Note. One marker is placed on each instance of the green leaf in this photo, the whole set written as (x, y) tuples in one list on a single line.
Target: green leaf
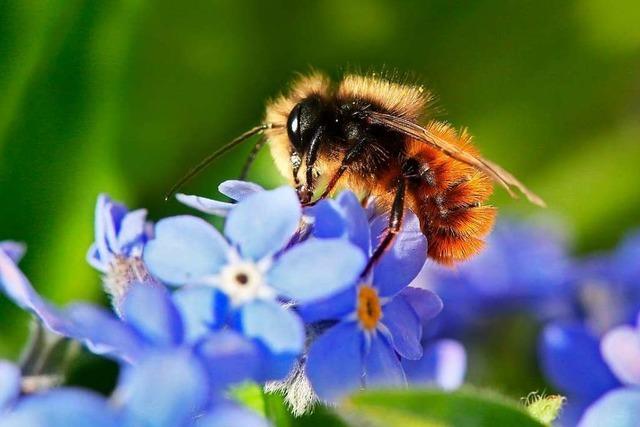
[(251, 396), (433, 408)]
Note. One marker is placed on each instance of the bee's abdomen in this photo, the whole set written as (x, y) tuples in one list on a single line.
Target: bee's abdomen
[(449, 198)]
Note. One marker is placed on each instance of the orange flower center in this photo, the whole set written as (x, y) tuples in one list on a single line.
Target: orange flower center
[(369, 309)]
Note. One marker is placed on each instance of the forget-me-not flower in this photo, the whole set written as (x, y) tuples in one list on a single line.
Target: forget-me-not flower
[(378, 319), (253, 268), (120, 236), (166, 389)]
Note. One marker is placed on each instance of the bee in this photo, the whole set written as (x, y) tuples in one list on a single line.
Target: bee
[(365, 134)]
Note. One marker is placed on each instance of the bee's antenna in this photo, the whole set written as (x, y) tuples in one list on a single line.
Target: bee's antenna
[(211, 157)]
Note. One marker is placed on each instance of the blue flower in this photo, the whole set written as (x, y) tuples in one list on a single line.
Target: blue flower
[(235, 190), (524, 267), (152, 319), (120, 237), (443, 365), (618, 408), (571, 360), (17, 287), (620, 349), (253, 267), (378, 317), (119, 233), (166, 389), (608, 289), (593, 351)]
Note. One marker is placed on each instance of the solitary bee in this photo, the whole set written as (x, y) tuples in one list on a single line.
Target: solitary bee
[(364, 133)]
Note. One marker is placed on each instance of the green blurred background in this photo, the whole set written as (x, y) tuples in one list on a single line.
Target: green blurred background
[(123, 96)]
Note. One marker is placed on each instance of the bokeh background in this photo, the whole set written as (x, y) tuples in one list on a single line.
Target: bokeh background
[(123, 96)]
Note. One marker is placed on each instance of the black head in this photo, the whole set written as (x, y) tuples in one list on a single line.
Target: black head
[(307, 127), (303, 122)]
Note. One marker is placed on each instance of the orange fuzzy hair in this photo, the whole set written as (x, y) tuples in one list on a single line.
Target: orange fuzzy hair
[(451, 211)]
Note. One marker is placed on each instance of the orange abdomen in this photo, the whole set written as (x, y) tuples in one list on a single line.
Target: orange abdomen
[(450, 203)]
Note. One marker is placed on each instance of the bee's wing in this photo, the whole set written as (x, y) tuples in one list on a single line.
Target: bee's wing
[(419, 133)]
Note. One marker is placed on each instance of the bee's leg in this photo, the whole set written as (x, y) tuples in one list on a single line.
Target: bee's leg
[(395, 224), (351, 156), (251, 158)]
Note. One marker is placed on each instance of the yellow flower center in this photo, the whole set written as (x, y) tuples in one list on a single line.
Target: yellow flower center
[(369, 309)]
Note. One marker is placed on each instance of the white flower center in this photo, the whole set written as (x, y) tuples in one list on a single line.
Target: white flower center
[(243, 281)]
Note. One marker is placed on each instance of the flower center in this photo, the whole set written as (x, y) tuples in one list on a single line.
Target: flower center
[(242, 281), (369, 309)]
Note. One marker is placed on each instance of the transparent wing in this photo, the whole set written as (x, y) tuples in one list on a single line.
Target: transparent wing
[(419, 133)]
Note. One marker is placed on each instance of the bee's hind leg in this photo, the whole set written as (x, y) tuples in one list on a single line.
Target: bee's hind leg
[(395, 224)]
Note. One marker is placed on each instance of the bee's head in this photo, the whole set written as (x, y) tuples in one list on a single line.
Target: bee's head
[(303, 123), (306, 127)]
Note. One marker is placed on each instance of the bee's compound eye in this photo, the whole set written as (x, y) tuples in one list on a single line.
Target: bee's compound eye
[(293, 127)]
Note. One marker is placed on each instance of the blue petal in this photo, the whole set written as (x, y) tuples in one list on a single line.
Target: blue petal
[(620, 348), (108, 221), (63, 407), (103, 333), (132, 230), (618, 408), (151, 312), (444, 364), (357, 221), (231, 415), (274, 366), (185, 249), (334, 362), (278, 328), (14, 250), (328, 220), (316, 269), (404, 325), (264, 222), (424, 302), (196, 307), (404, 260), (208, 206), (229, 357), (165, 390), (95, 260), (382, 366), (16, 286), (332, 308), (571, 359), (10, 378), (101, 221), (239, 190)]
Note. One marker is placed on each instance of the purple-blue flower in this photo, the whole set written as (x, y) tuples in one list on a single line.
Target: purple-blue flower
[(120, 236), (252, 268), (608, 288), (166, 389), (235, 190), (151, 318), (378, 319), (118, 233), (443, 365), (523, 267), (593, 352), (571, 360), (618, 408), (620, 349)]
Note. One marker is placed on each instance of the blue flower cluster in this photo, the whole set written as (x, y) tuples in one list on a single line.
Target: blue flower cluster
[(593, 355), (589, 347), (279, 297)]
